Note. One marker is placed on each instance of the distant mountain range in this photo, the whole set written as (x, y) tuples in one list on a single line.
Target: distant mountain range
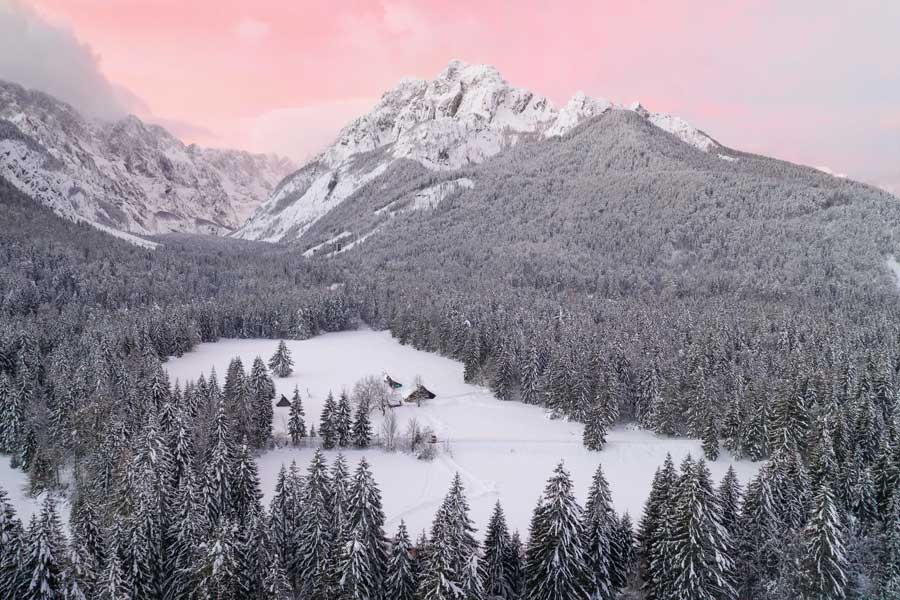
[(464, 116), (126, 175)]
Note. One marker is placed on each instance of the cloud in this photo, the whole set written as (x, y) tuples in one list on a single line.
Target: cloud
[(42, 56), (301, 132), (251, 30)]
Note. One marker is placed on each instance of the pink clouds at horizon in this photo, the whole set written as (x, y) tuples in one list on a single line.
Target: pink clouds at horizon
[(812, 82)]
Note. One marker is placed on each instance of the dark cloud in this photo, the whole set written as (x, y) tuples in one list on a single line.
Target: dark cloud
[(42, 56)]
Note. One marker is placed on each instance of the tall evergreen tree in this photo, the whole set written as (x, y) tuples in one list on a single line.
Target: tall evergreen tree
[(296, 421), (498, 581), (451, 547), (600, 524), (729, 499), (281, 363), (44, 557), (310, 563), (703, 549), (343, 421), (327, 423), (261, 412), (556, 566), (650, 533), (825, 560), (595, 427), (402, 580), (362, 427)]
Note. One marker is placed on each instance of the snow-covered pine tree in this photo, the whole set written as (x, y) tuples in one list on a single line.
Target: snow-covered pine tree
[(703, 550), (556, 565), (340, 522), (471, 585), (327, 423), (365, 567), (825, 560), (246, 495), (310, 562), (262, 391), (45, 554), (13, 579), (729, 497), (622, 553), (187, 532), (503, 378), (514, 565), (594, 437), (362, 427), (218, 471), (343, 421), (402, 580), (600, 523), (281, 363), (498, 581), (531, 377), (275, 584), (450, 548), (888, 576), (711, 439), (650, 529), (296, 421), (759, 528)]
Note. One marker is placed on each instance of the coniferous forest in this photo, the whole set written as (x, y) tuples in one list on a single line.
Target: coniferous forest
[(794, 365)]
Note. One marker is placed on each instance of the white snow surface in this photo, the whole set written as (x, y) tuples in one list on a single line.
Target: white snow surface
[(503, 450), (465, 115), (15, 482)]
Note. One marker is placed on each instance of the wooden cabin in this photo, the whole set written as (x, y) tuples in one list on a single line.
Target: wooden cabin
[(284, 402), (419, 394)]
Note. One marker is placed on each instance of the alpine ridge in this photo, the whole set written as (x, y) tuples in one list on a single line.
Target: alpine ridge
[(465, 115), (126, 175)]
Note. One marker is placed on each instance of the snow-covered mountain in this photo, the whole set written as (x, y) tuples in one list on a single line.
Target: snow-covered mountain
[(465, 115), (126, 175)]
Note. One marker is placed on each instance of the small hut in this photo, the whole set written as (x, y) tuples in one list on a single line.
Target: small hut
[(391, 383), (284, 402), (419, 394)]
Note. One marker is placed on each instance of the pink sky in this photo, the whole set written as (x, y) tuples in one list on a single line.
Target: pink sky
[(816, 82)]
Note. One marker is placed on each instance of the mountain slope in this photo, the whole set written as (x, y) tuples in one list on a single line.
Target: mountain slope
[(126, 175), (464, 116), (618, 207)]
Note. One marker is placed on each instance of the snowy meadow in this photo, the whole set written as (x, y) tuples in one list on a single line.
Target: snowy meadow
[(502, 450)]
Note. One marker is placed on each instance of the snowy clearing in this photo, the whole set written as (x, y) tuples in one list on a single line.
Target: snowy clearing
[(503, 450), (15, 482)]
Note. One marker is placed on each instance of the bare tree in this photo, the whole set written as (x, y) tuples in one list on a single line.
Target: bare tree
[(389, 431)]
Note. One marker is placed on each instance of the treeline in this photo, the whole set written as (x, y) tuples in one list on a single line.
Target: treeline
[(184, 519)]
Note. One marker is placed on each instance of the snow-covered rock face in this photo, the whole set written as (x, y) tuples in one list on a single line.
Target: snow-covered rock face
[(464, 116), (126, 175)]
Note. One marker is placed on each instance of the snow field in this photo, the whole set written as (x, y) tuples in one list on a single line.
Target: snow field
[(503, 450)]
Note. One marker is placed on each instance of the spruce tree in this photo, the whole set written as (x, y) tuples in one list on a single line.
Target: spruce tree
[(650, 533), (556, 566), (497, 581), (450, 549), (757, 544), (310, 563), (362, 427), (825, 560), (402, 581), (711, 440), (261, 412), (296, 422), (44, 556), (365, 568), (515, 566), (327, 423), (13, 581), (595, 428), (281, 363), (343, 424), (600, 524), (702, 547), (729, 497), (622, 553)]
